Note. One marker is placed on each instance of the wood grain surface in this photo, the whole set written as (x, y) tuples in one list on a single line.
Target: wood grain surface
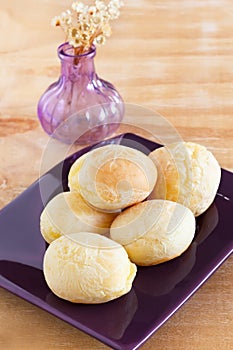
[(174, 57)]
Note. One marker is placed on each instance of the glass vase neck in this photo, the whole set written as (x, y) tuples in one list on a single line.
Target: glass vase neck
[(72, 64)]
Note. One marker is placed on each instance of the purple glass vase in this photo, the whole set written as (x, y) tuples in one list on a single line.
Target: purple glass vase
[(80, 107)]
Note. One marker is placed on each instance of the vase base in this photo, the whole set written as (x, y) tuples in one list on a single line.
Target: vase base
[(93, 135)]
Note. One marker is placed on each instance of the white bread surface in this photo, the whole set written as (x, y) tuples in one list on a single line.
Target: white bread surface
[(154, 231), (73, 173), (113, 177), (88, 268), (68, 213), (188, 174)]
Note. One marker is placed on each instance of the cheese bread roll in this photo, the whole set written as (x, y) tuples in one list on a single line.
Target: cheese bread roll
[(68, 213), (113, 177), (187, 173), (88, 268), (154, 231)]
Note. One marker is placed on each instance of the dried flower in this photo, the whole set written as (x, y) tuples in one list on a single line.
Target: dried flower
[(56, 22), (79, 7), (86, 25), (114, 12), (100, 40), (107, 31)]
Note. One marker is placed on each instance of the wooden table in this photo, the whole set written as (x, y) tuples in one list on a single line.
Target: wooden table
[(175, 57)]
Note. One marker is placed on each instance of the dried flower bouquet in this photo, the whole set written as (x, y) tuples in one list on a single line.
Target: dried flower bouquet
[(87, 25)]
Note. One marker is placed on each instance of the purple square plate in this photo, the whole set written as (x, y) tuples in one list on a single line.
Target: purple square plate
[(157, 291)]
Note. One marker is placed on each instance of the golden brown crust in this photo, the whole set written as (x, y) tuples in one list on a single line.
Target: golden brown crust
[(188, 174), (114, 177)]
